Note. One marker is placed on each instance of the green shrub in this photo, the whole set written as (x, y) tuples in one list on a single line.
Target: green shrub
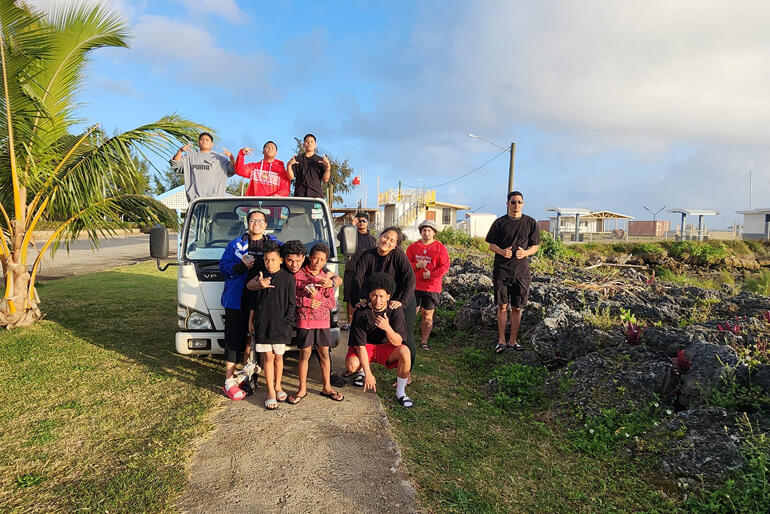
[(600, 318), (649, 248), (451, 236), (554, 249), (601, 432), (518, 386), (759, 283)]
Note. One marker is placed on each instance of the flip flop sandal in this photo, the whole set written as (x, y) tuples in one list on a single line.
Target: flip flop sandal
[(337, 397), (337, 381), (500, 348), (295, 399), (425, 346), (516, 347), (405, 402), (359, 380), (345, 326), (281, 396), (235, 393), (271, 404), (348, 374)]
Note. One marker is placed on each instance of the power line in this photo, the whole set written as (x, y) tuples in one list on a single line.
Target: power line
[(461, 176)]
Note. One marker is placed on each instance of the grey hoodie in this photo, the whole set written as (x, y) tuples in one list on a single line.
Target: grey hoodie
[(205, 174)]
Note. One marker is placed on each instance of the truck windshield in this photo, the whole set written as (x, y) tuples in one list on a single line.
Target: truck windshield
[(214, 223)]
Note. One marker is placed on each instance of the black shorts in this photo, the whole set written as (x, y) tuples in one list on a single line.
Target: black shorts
[(426, 299), (236, 330), (308, 337), (513, 291), (347, 287)]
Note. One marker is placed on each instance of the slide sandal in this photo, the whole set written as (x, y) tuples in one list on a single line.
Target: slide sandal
[(235, 393)]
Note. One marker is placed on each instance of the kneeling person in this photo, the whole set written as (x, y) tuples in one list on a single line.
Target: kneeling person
[(376, 335), (271, 319)]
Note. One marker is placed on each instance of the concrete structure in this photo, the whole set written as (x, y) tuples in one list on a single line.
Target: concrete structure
[(579, 221), (544, 225), (656, 228), (756, 223), (476, 224), (175, 199), (406, 208), (344, 215), (702, 230)]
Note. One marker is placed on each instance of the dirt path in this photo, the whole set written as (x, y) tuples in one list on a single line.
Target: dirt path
[(317, 456)]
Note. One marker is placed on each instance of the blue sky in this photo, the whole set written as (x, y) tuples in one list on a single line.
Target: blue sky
[(611, 106)]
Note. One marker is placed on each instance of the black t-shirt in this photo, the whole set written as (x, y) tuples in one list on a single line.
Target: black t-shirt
[(274, 309), (507, 231), (363, 330), (394, 264), (308, 176)]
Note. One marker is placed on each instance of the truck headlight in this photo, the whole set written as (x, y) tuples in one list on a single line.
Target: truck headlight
[(198, 321)]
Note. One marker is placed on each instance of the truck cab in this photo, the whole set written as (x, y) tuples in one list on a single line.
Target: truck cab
[(210, 224)]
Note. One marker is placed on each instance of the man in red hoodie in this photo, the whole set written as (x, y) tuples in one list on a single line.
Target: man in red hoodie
[(430, 262), (267, 177)]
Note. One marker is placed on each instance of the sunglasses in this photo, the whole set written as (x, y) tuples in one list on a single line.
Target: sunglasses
[(362, 221), (514, 202)]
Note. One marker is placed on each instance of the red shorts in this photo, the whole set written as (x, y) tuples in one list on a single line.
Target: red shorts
[(378, 353)]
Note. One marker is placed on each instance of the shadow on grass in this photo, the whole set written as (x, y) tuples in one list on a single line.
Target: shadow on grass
[(131, 311)]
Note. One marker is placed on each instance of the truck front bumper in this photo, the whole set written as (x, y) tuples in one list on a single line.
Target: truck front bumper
[(213, 343)]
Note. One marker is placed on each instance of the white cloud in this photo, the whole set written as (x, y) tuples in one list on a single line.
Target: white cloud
[(227, 9)]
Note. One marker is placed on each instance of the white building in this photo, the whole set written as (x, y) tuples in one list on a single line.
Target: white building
[(477, 224), (406, 208), (756, 223), (175, 199)]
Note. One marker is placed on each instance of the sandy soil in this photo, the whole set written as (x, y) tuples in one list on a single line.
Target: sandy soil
[(316, 456)]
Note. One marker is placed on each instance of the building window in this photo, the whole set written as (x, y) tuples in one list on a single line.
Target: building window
[(446, 216)]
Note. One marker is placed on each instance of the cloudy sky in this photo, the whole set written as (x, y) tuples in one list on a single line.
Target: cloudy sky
[(612, 105)]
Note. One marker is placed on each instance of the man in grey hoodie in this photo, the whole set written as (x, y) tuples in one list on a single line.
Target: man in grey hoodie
[(205, 172)]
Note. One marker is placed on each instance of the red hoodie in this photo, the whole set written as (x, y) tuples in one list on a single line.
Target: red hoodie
[(436, 258), (265, 178)]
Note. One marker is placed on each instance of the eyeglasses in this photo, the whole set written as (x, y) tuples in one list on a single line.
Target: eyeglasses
[(256, 221), (362, 221), (514, 202)]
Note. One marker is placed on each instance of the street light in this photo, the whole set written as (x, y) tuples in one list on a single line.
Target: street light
[(511, 149), (654, 214)]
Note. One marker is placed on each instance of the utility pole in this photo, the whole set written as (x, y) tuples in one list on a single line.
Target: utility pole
[(750, 186), (510, 167)]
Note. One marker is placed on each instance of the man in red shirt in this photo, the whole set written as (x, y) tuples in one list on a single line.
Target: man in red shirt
[(430, 262), (267, 177)]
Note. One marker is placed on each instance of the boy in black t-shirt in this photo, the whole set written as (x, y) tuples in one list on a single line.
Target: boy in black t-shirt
[(376, 335), (271, 319), (512, 238), (311, 171)]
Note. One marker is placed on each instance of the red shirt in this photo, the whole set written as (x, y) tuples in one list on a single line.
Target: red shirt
[(265, 178), (306, 316), (436, 259)]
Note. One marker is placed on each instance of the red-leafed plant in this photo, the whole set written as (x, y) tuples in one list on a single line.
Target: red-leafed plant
[(766, 316), (735, 328), (633, 333), (681, 362), (651, 281)]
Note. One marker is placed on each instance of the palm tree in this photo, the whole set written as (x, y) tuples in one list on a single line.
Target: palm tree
[(81, 180)]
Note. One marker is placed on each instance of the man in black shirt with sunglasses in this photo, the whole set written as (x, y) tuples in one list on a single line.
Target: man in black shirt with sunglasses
[(513, 238)]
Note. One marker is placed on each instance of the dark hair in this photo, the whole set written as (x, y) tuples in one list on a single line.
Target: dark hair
[(381, 281), (309, 135), (258, 211), (515, 193), (271, 246), (399, 234), (265, 145), (205, 134), (320, 247), (362, 215), (293, 247)]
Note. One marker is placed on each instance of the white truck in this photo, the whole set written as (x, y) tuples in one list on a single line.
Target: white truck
[(210, 224)]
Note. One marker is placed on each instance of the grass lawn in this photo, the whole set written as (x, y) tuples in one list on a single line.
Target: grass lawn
[(96, 411), (466, 455)]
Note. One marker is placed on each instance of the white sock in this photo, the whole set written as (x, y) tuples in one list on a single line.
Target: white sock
[(400, 387), (230, 382)]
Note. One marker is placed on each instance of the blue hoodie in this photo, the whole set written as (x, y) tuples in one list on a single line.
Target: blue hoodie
[(235, 281)]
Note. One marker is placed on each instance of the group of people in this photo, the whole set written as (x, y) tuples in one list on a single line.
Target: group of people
[(275, 294), (206, 172)]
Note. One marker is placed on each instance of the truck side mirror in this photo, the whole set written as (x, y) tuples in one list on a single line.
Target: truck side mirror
[(348, 240), (159, 243)]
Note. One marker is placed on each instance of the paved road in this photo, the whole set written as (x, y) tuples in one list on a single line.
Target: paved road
[(112, 252)]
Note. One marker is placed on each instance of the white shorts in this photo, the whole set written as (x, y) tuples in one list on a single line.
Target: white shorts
[(278, 349)]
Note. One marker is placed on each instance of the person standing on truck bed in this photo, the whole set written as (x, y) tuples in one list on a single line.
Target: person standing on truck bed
[(267, 177), (310, 170), (241, 260), (205, 172)]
